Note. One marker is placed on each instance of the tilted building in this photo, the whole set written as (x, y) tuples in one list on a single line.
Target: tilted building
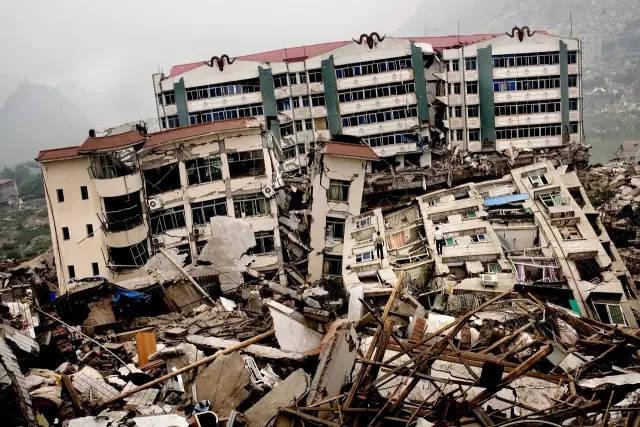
[(115, 198)]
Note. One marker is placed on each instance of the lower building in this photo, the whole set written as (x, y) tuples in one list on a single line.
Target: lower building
[(8, 191)]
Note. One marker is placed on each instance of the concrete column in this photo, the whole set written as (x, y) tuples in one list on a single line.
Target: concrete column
[(485, 91), (181, 102), (417, 63), (331, 96), (564, 91)]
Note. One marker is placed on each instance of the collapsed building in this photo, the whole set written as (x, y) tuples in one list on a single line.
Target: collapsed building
[(269, 256)]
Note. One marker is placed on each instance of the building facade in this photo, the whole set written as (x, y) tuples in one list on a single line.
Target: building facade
[(116, 198), (8, 191)]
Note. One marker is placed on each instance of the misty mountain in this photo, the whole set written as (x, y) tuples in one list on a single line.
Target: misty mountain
[(7, 85), (36, 117)]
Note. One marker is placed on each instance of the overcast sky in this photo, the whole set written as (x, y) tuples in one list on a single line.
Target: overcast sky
[(99, 44)]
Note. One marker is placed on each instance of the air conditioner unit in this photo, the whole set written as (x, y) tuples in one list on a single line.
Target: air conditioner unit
[(154, 204), (268, 191), (157, 240), (198, 231), (489, 280)]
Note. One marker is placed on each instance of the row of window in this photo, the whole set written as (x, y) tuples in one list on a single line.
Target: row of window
[(84, 193), (293, 151), (533, 107), (369, 117), (71, 270), (532, 83), (315, 100), (533, 131), (312, 76), (301, 125), (391, 138), (66, 234), (226, 113), (246, 205), (373, 67), (371, 92), (531, 59)]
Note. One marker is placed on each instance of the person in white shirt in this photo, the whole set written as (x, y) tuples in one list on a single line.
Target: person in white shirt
[(437, 235), (379, 241)]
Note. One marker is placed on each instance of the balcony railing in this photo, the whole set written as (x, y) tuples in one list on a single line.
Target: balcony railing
[(122, 219)]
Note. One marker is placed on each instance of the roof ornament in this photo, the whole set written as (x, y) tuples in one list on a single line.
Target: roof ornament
[(521, 32), (369, 38), (219, 61)]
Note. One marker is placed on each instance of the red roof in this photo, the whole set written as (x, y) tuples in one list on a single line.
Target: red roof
[(300, 53), (111, 142), (6, 181), (350, 151), (176, 134), (57, 154)]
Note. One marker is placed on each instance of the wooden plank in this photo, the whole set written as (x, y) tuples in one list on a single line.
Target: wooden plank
[(145, 345)]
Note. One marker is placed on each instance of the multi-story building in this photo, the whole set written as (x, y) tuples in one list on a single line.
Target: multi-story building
[(513, 92), (115, 197), (534, 230)]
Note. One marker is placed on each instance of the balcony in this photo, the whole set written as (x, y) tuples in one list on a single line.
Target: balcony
[(377, 103), (113, 187), (382, 127), (224, 101), (131, 236), (375, 79)]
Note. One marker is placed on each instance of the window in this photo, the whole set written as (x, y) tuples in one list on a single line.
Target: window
[(370, 117), (363, 222), (454, 65), (373, 67), (474, 134), (225, 113), (167, 219), (205, 169), (392, 138), (570, 232), (65, 233), (71, 270), (283, 104), (95, 269), (289, 152), (84, 193), (264, 243), (470, 63), (338, 190), (332, 265), (469, 215), (454, 88), (472, 87), (572, 57), (202, 211), (302, 77), (433, 201), (279, 80), (538, 180), (317, 99), (162, 179), (479, 238), (573, 80), (89, 230), (493, 267), (250, 205), (450, 241), (365, 256), (292, 79), (60, 195), (610, 313), (573, 104), (129, 256), (459, 134), (335, 228), (473, 111), (315, 76), (246, 163)]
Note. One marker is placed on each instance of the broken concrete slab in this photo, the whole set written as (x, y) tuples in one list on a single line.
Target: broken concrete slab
[(292, 330), (224, 383), (256, 350), (284, 394)]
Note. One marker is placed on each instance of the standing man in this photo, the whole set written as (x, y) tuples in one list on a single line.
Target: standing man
[(439, 240), (379, 241)]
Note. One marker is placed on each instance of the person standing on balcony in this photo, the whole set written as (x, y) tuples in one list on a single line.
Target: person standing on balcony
[(379, 241), (439, 240)]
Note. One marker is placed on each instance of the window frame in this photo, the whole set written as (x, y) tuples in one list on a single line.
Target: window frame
[(338, 186)]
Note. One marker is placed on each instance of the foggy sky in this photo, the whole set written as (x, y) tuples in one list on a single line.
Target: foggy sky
[(100, 44)]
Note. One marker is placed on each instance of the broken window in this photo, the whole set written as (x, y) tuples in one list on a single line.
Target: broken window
[(554, 199), (479, 238), (89, 230), (84, 192), (365, 256), (450, 241), (289, 152), (577, 196), (332, 265), (493, 267), (538, 180), (65, 233), (264, 243), (122, 212), (95, 269), (610, 313), (469, 215), (338, 190), (162, 179), (246, 163), (168, 219), (433, 201), (588, 269), (60, 195), (129, 256), (203, 211), (570, 232), (112, 165), (185, 249), (335, 228), (204, 169), (71, 270), (249, 205)]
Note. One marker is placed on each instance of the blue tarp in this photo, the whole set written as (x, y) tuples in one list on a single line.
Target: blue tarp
[(504, 200), (125, 293)]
